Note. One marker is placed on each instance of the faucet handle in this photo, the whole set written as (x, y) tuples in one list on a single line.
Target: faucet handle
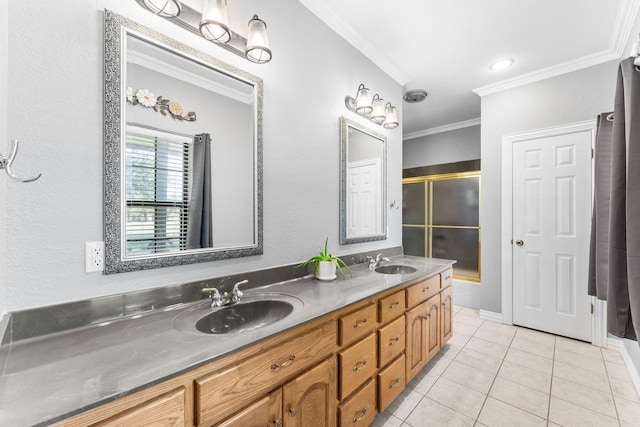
[(236, 294), (214, 294)]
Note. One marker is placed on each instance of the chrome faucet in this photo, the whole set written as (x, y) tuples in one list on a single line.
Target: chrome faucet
[(218, 300), (375, 262)]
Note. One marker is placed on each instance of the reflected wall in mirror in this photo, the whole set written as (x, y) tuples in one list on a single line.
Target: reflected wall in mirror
[(183, 153), (363, 184)]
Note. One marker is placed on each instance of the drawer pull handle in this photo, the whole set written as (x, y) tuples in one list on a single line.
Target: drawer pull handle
[(360, 323), (447, 277), (359, 416), (393, 305), (293, 411), (277, 422), (425, 289), (359, 365), (394, 382), (392, 341), (284, 364), (426, 316)]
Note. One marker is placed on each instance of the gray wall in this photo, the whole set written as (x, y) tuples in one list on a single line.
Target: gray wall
[(445, 147), (55, 90), (565, 99)]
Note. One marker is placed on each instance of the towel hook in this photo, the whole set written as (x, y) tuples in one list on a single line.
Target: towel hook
[(6, 161)]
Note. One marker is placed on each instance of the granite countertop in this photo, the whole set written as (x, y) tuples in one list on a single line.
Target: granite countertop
[(52, 377)]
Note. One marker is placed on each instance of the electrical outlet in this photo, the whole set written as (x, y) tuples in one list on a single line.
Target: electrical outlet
[(93, 256)]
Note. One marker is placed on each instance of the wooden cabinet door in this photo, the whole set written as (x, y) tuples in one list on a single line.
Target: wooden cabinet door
[(446, 315), (433, 326), (416, 337), (310, 399), (266, 412)]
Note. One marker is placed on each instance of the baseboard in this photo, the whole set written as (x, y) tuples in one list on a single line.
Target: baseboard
[(617, 345), (490, 315)]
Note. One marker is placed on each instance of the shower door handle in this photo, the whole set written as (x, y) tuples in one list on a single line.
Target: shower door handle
[(519, 243)]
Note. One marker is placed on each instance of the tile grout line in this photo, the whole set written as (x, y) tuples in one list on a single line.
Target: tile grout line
[(553, 366), (613, 397)]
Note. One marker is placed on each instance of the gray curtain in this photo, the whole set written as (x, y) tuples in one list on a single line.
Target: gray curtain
[(199, 224), (599, 250), (623, 296)]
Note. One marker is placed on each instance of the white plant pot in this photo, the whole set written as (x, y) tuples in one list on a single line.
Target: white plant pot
[(326, 270)]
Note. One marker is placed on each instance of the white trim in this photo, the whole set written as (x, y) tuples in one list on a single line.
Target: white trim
[(443, 128), (327, 14), (625, 18), (599, 323), (507, 208), (617, 345), (491, 315)]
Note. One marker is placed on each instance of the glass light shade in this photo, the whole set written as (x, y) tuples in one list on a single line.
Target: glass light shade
[(363, 101), (378, 113), (214, 23), (257, 42), (391, 117), (164, 8)]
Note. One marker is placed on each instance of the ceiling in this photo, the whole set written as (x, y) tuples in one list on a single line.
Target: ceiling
[(446, 47)]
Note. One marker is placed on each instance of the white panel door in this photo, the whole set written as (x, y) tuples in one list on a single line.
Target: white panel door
[(551, 226), (363, 198)]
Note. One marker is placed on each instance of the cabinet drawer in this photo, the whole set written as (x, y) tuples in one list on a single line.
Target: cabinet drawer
[(446, 278), (165, 410), (390, 341), (391, 382), (357, 324), (423, 290), (391, 306), (357, 363), (359, 410), (221, 393)]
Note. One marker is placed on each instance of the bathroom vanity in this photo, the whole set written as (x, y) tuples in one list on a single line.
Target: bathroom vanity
[(338, 359)]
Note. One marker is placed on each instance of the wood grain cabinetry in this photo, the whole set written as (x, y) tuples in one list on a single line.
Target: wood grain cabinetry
[(341, 368), (310, 399), (166, 410)]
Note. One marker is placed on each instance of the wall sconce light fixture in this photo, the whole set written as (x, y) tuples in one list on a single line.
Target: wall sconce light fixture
[(212, 24), (374, 108)]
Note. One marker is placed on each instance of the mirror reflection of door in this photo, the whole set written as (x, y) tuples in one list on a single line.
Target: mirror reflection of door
[(363, 181)]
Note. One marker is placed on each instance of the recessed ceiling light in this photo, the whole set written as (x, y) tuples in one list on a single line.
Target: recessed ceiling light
[(502, 64)]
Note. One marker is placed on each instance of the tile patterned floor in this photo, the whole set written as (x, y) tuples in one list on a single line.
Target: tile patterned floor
[(491, 374)]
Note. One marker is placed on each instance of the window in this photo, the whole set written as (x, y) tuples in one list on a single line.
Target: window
[(158, 169), (441, 219)]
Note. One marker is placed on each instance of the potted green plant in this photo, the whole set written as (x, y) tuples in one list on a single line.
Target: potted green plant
[(325, 264)]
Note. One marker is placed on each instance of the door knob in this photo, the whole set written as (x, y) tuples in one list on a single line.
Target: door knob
[(519, 243)]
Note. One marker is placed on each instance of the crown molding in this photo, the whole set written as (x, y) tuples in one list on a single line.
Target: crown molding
[(625, 19), (441, 129), (328, 15)]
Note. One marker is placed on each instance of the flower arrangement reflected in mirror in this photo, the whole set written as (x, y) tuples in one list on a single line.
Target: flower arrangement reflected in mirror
[(148, 99)]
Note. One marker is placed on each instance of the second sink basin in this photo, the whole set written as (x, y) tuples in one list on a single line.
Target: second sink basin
[(253, 312), (396, 269)]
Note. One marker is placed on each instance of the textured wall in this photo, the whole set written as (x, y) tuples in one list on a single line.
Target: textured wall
[(565, 99), (446, 147), (55, 91)]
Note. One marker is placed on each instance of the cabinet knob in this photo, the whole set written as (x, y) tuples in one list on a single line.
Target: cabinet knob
[(293, 411), (359, 416), (359, 365), (360, 323)]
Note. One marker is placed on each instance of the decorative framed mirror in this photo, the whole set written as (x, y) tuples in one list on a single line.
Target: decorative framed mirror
[(363, 184), (183, 153)]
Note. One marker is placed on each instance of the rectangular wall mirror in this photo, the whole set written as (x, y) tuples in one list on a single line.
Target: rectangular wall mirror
[(183, 153), (363, 184)]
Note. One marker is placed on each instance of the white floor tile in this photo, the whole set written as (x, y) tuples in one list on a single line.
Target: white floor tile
[(402, 406), (522, 397), (496, 413), (467, 376), (459, 398), (569, 415), (579, 375), (531, 378), (587, 397), (430, 413), (529, 360), (479, 360)]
